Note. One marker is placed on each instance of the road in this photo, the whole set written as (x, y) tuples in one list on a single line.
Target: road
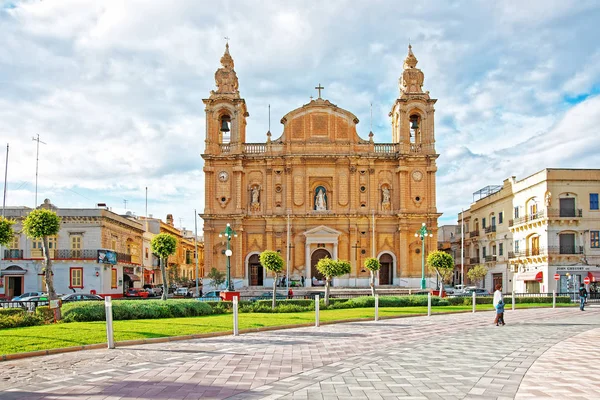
[(540, 353)]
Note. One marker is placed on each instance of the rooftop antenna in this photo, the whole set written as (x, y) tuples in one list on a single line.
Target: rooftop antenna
[(5, 178), (269, 118), (371, 116), (37, 159), (125, 202)]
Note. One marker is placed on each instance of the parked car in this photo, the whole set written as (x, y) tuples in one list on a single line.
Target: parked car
[(214, 295), (27, 296), (153, 290), (134, 292), (182, 291), (269, 296), (80, 297), (469, 292)]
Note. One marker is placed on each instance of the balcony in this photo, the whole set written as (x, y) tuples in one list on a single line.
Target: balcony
[(565, 213), (490, 229), (538, 251), (490, 258), (473, 234), (570, 250), (474, 260), (87, 254), (13, 254), (527, 218)]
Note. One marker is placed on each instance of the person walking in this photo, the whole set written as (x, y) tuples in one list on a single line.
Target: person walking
[(499, 305), (582, 296)]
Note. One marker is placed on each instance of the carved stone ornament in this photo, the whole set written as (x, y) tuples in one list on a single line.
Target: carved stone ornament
[(225, 77), (352, 169), (417, 175)]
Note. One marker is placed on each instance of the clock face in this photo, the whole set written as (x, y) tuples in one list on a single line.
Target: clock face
[(417, 175), (223, 176)]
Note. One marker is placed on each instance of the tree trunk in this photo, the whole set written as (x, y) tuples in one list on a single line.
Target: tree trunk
[(327, 278), (274, 291), (372, 283), (163, 271), (49, 276)]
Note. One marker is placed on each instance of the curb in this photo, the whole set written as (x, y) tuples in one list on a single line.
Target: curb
[(124, 343)]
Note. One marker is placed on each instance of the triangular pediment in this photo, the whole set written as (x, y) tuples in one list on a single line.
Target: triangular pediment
[(322, 231)]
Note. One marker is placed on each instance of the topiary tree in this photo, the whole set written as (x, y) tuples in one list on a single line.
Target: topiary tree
[(272, 261), (6, 231), (40, 224), (373, 265), (330, 268), (163, 245), (217, 277), (442, 263), (477, 273)]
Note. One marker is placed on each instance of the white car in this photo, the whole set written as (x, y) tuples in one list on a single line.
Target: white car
[(182, 291), (28, 296)]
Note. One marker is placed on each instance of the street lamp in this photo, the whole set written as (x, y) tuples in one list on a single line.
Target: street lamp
[(228, 233), (423, 233)]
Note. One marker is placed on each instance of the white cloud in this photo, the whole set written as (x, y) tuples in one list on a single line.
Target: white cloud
[(115, 88)]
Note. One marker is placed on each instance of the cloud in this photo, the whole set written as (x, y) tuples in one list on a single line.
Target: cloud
[(115, 88)]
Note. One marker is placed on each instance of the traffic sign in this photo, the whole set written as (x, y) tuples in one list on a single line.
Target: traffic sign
[(586, 280), (556, 277)]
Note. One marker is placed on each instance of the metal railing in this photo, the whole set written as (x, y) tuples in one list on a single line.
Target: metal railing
[(474, 260), (13, 254), (527, 218), (490, 258), (473, 233), (565, 212), (538, 251), (490, 229), (565, 249)]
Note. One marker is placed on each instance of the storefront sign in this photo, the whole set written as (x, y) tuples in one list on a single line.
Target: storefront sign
[(576, 268), (107, 257)]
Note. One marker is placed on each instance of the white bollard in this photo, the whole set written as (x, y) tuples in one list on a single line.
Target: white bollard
[(109, 322), (513, 302), (429, 304), (236, 330), (474, 302), (316, 310), (554, 299), (376, 307)]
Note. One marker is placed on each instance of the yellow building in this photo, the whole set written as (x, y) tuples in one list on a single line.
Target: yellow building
[(319, 189)]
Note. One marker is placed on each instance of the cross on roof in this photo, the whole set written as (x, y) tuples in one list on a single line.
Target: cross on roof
[(319, 88)]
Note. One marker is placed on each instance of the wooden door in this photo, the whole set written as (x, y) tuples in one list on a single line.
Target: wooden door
[(314, 259), (385, 273), (256, 271)]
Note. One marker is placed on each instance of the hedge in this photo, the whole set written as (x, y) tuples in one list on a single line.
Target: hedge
[(4, 312), (83, 311), (467, 300), (17, 320)]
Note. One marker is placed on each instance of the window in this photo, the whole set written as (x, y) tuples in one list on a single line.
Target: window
[(14, 244), (500, 217), (483, 223), (494, 250), (593, 201), (76, 278), (484, 250), (146, 252), (493, 221), (501, 249), (76, 246), (516, 246), (516, 212), (595, 239), (113, 280), (113, 243)]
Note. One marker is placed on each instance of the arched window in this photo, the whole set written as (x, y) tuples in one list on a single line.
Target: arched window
[(415, 128), (225, 128)]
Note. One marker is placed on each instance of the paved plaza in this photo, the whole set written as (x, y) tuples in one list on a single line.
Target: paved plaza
[(540, 353)]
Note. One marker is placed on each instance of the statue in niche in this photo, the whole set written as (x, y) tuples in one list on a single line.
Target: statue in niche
[(385, 201), (548, 199), (255, 198), (320, 200)]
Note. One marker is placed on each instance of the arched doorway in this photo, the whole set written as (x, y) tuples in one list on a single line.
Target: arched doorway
[(386, 273), (314, 259), (256, 271)]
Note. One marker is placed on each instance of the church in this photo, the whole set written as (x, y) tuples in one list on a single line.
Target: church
[(319, 189)]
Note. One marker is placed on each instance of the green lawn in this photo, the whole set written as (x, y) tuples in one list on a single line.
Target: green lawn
[(19, 340)]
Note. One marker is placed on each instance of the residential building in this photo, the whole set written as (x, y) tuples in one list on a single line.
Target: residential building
[(95, 251), (320, 190)]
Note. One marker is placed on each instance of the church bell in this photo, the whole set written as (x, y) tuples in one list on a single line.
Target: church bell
[(224, 126), (414, 125)]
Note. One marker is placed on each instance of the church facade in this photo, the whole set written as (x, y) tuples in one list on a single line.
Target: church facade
[(320, 190)]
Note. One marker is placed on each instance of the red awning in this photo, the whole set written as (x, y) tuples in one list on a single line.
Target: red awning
[(594, 276), (530, 276)]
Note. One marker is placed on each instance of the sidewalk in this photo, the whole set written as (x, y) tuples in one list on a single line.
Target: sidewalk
[(442, 357)]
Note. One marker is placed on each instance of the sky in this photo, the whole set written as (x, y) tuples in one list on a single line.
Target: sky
[(114, 88)]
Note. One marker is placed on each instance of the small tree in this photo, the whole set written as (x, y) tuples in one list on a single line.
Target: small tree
[(330, 268), (272, 261), (373, 265), (217, 277), (477, 273), (6, 231), (40, 224), (163, 245), (443, 264)]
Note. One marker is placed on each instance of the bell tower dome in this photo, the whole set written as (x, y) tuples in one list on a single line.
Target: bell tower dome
[(412, 114), (226, 111)]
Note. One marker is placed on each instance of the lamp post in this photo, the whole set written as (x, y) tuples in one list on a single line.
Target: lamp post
[(423, 233), (228, 233)]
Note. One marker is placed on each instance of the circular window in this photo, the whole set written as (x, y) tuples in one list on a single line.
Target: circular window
[(223, 199), (417, 198), (363, 252), (363, 205), (363, 189), (278, 188), (417, 251)]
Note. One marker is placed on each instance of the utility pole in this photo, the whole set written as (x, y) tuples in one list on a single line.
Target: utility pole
[(37, 161)]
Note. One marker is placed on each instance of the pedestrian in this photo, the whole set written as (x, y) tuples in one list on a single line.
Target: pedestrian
[(582, 296), (283, 279), (499, 305), (290, 294), (302, 280)]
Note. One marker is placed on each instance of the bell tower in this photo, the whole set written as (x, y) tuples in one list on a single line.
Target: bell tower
[(412, 114), (226, 111)]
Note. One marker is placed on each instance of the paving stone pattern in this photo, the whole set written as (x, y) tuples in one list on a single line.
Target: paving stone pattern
[(462, 356)]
